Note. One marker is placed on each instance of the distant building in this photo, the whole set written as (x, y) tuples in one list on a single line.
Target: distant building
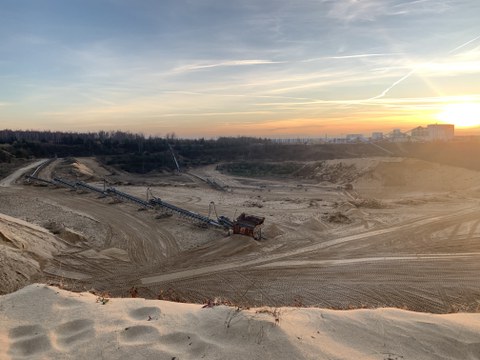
[(355, 138), (377, 136), (441, 132), (420, 134), (338, 140), (398, 136)]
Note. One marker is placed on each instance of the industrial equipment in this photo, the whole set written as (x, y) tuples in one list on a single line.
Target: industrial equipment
[(244, 224)]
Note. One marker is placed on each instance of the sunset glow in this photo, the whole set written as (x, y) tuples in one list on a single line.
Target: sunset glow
[(461, 115), (261, 68)]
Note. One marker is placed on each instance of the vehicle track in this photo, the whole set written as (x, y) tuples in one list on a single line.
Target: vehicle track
[(12, 178), (138, 233), (151, 279)]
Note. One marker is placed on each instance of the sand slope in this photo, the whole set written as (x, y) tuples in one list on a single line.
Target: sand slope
[(23, 249), (396, 176), (42, 322)]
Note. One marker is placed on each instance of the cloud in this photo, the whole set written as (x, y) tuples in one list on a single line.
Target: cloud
[(463, 45), (385, 92), (352, 56), (351, 10), (370, 10), (193, 67), (357, 56), (32, 39), (444, 67), (421, 7)]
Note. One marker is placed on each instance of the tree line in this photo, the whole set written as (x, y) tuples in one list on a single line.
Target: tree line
[(138, 153), (129, 151)]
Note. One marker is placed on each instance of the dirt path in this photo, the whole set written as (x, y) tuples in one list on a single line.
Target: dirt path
[(10, 179), (47, 171), (136, 232)]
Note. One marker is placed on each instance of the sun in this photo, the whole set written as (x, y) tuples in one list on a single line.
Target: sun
[(461, 114)]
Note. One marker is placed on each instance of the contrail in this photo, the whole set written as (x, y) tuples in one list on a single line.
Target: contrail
[(194, 67), (356, 56), (463, 45), (384, 92)]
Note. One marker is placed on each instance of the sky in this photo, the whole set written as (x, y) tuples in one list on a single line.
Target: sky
[(269, 68)]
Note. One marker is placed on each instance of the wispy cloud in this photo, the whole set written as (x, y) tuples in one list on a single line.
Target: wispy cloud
[(358, 56), (349, 10), (444, 67), (369, 10), (352, 56), (200, 66), (385, 92), (421, 7), (424, 102), (463, 45)]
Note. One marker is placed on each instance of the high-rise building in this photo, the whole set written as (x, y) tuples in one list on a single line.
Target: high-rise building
[(441, 132)]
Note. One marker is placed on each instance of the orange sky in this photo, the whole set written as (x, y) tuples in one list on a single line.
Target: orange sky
[(272, 68)]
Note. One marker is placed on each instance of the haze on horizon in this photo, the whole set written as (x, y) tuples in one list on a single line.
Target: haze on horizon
[(209, 68)]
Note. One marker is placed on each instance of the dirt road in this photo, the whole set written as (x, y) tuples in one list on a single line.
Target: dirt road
[(10, 179)]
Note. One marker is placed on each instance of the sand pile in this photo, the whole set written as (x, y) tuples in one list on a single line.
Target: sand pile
[(336, 172), (271, 231), (82, 169), (314, 224), (337, 218), (396, 174), (85, 169), (369, 203), (418, 175), (24, 247), (46, 322)]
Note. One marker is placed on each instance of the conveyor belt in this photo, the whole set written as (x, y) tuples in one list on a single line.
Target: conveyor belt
[(90, 187), (128, 197), (183, 212), (57, 180), (221, 223), (31, 177), (40, 167)]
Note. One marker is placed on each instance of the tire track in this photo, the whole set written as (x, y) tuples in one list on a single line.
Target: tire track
[(202, 271)]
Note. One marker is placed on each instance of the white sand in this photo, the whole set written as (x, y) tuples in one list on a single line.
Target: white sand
[(42, 322), (23, 246)]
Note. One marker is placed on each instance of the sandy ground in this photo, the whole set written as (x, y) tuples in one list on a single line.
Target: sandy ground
[(10, 179), (409, 236), (42, 322)]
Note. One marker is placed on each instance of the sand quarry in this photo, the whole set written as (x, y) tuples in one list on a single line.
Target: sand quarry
[(371, 234)]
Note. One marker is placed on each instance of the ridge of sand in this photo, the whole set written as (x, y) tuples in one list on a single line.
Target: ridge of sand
[(406, 175), (82, 169), (40, 321), (23, 246)]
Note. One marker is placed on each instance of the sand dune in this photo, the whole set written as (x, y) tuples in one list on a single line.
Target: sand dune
[(42, 322), (395, 177), (23, 248)]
